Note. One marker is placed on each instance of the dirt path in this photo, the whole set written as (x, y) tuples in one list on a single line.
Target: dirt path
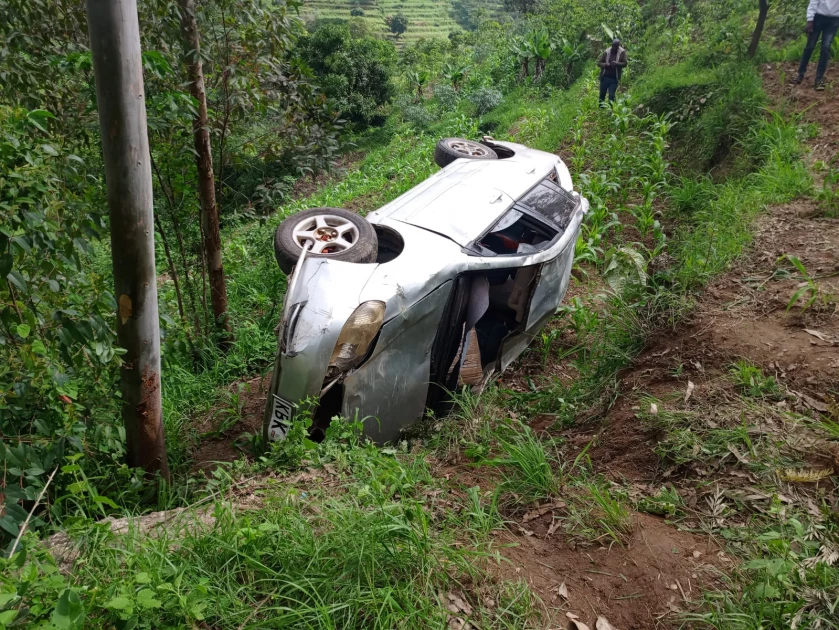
[(741, 316)]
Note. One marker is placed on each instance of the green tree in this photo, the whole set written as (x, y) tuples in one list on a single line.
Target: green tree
[(521, 6), (57, 356), (540, 46), (355, 72), (397, 23), (521, 49)]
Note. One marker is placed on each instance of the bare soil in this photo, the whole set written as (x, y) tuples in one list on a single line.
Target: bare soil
[(217, 446)]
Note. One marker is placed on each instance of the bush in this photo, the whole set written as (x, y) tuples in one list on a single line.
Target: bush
[(485, 100), (356, 12), (447, 96), (57, 346), (355, 71), (418, 116)]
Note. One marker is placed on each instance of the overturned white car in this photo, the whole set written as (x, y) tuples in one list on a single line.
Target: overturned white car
[(444, 286)]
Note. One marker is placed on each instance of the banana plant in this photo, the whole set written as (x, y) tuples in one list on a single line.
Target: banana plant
[(455, 73), (520, 47), (418, 79), (569, 54), (541, 47)]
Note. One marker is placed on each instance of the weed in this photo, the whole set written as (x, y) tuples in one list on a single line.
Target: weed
[(582, 318), (596, 508), (751, 381), (828, 196), (611, 511), (667, 502), (527, 466), (481, 512), (809, 290), (231, 413)]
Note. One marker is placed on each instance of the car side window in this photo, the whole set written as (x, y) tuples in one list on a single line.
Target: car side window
[(519, 231), (551, 201)]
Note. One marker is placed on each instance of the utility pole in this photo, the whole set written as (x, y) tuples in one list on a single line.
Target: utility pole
[(204, 163), (117, 65)]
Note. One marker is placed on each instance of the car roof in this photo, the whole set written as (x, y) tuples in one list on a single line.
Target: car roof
[(462, 200)]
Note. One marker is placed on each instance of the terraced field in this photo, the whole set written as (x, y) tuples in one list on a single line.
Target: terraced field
[(426, 18)]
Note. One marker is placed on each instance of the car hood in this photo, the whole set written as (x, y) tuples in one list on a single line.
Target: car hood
[(465, 198)]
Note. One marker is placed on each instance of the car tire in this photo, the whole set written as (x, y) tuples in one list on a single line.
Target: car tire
[(450, 149), (350, 238)]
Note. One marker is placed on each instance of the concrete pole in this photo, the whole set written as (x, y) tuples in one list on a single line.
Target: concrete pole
[(117, 65)]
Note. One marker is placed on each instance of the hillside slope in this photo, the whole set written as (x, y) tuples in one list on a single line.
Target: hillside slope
[(426, 18)]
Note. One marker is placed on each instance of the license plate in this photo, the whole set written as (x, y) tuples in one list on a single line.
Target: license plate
[(280, 421)]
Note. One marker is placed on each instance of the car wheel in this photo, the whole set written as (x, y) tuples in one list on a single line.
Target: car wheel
[(450, 149), (337, 234)]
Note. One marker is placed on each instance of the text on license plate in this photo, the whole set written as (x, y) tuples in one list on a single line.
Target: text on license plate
[(280, 420)]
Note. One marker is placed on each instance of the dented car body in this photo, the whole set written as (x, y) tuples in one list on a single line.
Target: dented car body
[(471, 264)]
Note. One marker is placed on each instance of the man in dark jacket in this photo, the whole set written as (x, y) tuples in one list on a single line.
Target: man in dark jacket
[(822, 20), (612, 62)]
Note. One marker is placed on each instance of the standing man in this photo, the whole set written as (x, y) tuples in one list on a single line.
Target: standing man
[(613, 61), (822, 20)]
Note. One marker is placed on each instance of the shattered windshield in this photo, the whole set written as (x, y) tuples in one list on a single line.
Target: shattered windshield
[(552, 202)]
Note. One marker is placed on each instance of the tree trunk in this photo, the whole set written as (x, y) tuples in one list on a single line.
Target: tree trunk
[(525, 68), (204, 161), (172, 269), (117, 65), (763, 8)]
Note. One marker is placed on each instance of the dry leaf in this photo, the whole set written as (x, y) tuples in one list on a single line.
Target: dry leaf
[(603, 624), (697, 553), (816, 333), (654, 409), (456, 623), (459, 604), (689, 390), (805, 475), (562, 590), (740, 458), (574, 623), (542, 510), (554, 526), (813, 403)]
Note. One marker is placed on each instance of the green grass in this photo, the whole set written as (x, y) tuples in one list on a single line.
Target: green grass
[(527, 465), (372, 554)]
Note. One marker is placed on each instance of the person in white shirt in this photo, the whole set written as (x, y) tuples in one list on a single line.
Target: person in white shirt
[(822, 20)]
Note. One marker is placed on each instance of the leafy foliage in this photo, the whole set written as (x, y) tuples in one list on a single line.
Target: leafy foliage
[(56, 337), (485, 99), (355, 72), (397, 23)]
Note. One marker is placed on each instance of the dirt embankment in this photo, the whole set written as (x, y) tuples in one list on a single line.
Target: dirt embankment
[(742, 315)]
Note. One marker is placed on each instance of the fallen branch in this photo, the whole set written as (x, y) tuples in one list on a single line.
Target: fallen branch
[(32, 511)]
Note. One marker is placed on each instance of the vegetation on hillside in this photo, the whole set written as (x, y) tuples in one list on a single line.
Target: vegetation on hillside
[(344, 533)]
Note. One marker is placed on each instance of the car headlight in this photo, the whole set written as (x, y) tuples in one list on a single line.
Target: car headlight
[(356, 336)]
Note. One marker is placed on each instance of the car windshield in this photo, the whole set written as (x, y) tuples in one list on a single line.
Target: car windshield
[(552, 202)]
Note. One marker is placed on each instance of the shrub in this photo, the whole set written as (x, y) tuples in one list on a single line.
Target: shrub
[(447, 96), (485, 100), (417, 115)]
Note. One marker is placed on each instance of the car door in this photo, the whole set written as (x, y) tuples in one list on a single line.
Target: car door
[(557, 206)]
